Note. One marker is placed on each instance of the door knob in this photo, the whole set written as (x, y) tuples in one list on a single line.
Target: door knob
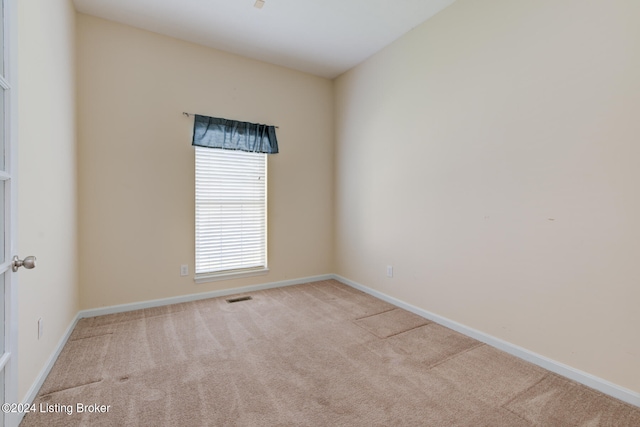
[(28, 263)]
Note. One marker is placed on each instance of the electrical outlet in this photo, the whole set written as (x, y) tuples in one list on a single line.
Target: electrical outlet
[(40, 328), (184, 270), (389, 271)]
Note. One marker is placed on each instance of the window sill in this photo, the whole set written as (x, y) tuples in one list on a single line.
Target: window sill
[(213, 277)]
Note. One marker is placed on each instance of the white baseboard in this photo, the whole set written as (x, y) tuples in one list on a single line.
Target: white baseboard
[(194, 297), (585, 378), (35, 387)]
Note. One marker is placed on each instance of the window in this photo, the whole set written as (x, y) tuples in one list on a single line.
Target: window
[(231, 196), (231, 210)]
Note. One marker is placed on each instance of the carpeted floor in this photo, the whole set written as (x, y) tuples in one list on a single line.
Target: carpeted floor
[(319, 354)]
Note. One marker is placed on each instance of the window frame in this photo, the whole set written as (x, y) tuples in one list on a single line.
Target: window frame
[(238, 272)]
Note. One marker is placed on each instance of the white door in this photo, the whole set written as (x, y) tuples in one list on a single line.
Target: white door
[(8, 160)]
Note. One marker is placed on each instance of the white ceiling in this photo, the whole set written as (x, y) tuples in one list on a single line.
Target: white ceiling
[(322, 37)]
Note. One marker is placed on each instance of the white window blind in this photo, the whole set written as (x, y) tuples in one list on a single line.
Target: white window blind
[(231, 211)]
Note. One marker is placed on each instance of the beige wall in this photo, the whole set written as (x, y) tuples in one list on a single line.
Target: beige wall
[(136, 165), (488, 155), (491, 156), (46, 180)]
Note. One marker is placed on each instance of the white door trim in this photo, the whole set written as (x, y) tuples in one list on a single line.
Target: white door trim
[(11, 153)]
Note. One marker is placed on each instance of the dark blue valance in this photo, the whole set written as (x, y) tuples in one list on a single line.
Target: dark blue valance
[(214, 132)]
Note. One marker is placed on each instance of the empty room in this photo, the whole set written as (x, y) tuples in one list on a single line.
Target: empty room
[(314, 213)]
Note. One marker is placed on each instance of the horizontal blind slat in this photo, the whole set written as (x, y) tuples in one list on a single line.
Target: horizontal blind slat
[(230, 210)]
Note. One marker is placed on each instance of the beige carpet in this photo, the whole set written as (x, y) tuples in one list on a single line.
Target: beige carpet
[(319, 354)]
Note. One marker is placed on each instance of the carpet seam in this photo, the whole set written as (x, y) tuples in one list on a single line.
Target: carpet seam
[(388, 336), (69, 388), (544, 377), (480, 344), (92, 336), (402, 332), (518, 415), (131, 320), (376, 314)]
